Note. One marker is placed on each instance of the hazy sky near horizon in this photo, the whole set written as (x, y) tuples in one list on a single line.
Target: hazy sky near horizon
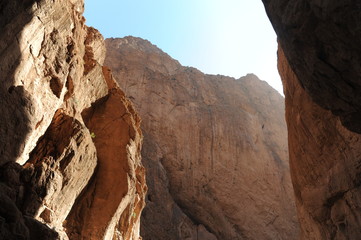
[(228, 37)]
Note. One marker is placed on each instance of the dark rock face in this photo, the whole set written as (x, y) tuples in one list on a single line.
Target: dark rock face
[(325, 165), (14, 194), (321, 41), (215, 149), (320, 65)]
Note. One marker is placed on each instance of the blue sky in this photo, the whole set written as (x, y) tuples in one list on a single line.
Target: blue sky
[(228, 37)]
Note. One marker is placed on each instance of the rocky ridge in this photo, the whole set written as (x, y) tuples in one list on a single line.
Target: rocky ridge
[(215, 149), (70, 140)]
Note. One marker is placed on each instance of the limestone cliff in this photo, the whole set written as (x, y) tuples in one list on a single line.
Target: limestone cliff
[(215, 149), (319, 61), (70, 140)]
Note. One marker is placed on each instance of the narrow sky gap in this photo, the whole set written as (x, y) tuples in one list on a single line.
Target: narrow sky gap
[(228, 37)]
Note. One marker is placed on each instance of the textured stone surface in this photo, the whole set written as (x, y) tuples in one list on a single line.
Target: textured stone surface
[(119, 185), (14, 225), (215, 149), (53, 155), (57, 169), (325, 165), (321, 40)]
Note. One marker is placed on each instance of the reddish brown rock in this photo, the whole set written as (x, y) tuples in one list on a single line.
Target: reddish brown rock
[(55, 158), (215, 149), (325, 165), (118, 186), (58, 172)]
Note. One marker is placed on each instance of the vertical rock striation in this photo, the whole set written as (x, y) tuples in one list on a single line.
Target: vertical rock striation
[(68, 134), (215, 149)]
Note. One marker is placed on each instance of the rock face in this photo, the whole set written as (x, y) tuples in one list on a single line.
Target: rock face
[(325, 165), (319, 61), (70, 141), (215, 149), (321, 40)]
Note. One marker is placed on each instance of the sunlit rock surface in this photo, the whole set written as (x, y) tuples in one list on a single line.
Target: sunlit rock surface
[(70, 141), (215, 149)]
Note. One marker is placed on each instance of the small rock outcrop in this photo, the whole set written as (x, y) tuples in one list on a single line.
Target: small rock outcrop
[(70, 140), (215, 149)]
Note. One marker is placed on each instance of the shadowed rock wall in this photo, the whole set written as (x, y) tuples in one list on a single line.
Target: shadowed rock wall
[(321, 40), (325, 165), (319, 61)]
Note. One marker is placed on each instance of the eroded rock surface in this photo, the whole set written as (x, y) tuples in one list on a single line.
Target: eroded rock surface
[(60, 111), (215, 149), (325, 165)]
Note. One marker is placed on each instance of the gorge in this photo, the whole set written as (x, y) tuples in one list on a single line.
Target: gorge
[(214, 148)]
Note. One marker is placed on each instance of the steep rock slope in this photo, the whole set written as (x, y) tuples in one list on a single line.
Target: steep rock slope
[(70, 141), (325, 165), (215, 149)]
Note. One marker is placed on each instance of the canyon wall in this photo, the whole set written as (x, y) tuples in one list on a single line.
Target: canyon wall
[(319, 61), (325, 165), (70, 140), (215, 149)]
